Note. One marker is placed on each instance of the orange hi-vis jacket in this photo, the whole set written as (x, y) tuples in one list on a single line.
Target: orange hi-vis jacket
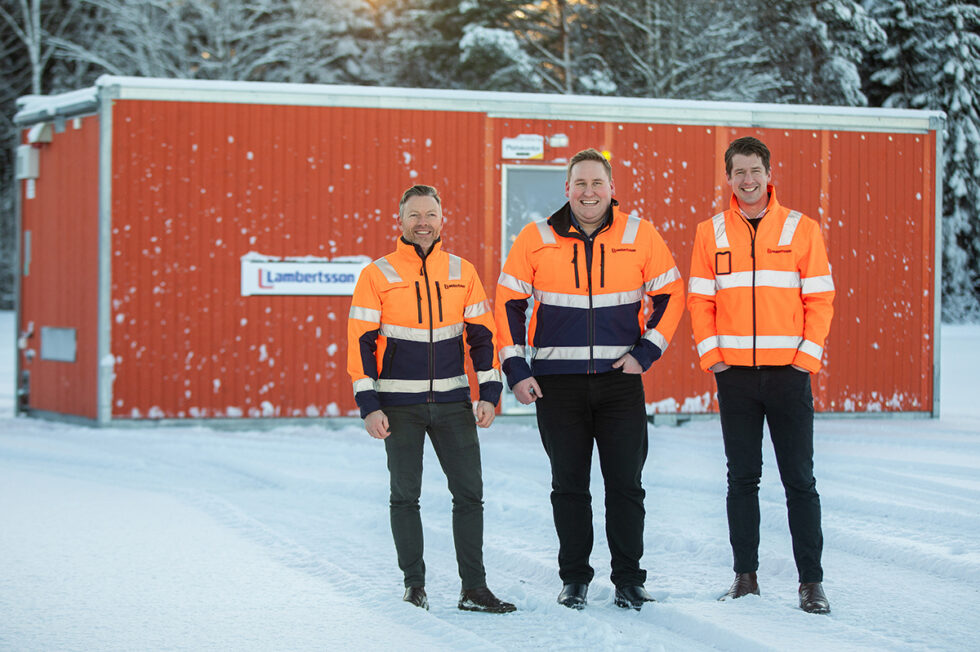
[(405, 331), (588, 296), (760, 297)]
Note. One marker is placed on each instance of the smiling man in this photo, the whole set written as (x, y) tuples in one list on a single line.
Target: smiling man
[(590, 268), (761, 298), (405, 333)]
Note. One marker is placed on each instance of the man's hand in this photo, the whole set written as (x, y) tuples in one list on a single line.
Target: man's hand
[(718, 367), (629, 365), (806, 371), (527, 391), (485, 413), (376, 424)]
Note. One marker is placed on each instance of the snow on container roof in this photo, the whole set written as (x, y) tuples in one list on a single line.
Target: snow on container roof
[(494, 104), (32, 109)]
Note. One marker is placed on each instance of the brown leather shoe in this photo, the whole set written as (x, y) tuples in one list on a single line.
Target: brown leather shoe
[(416, 595), (812, 598), (744, 584), (482, 599)]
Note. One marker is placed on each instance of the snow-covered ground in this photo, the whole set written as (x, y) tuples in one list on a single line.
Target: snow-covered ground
[(197, 539)]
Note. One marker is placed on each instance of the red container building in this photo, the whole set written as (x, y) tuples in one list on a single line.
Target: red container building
[(143, 203)]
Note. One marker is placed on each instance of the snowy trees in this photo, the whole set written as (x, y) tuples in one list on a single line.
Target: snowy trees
[(817, 48), (932, 61), (695, 49), (453, 44), (901, 53)]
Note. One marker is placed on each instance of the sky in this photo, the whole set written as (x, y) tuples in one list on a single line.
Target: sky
[(277, 538)]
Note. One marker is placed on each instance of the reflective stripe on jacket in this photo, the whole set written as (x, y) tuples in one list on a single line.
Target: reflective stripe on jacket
[(760, 296), (588, 297), (405, 331)]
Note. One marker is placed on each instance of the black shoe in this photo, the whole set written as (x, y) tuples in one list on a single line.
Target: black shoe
[(812, 598), (632, 597), (744, 584), (416, 595), (573, 596), (482, 599)]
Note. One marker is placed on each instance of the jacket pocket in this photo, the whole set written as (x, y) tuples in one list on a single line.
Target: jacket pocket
[(386, 360)]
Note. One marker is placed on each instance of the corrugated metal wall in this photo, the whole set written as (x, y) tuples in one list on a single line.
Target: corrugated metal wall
[(61, 289), (878, 221), (198, 185)]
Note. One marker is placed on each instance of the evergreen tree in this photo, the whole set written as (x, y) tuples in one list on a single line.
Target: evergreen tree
[(558, 37), (818, 47), (932, 61), (454, 44), (693, 49)]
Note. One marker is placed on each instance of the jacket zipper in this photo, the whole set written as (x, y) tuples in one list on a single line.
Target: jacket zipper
[(575, 262), (432, 362), (386, 360), (588, 271), (439, 299), (602, 265), (753, 231), (418, 296)]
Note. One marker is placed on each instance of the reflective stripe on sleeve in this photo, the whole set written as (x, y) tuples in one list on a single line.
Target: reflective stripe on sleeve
[(721, 237), (707, 344), (513, 351), (818, 284), (547, 235), (418, 386), (705, 286), (476, 309), (363, 385), (789, 228), (661, 281), (515, 284), (489, 376), (365, 314), (455, 268), (811, 349), (632, 228), (422, 334), (388, 270), (654, 336)]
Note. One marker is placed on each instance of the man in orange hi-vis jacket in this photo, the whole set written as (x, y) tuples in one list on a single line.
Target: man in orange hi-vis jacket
[(590, 267), (405, 333), (760, 295)]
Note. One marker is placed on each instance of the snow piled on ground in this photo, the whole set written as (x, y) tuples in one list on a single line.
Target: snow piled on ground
[(190, 538)]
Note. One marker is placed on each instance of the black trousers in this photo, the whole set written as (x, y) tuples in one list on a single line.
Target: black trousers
[(607, 409), (782, 397), (452, 429)]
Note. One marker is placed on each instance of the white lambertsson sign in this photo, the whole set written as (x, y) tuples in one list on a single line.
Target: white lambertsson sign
[(525, 146), (307, 276)]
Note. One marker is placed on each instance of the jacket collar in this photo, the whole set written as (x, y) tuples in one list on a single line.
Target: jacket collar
[(410, 249), (770, 207), (566, 226)]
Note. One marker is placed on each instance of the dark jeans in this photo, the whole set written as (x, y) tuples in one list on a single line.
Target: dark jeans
[(782, 396), (608, 409), (452, 429)]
